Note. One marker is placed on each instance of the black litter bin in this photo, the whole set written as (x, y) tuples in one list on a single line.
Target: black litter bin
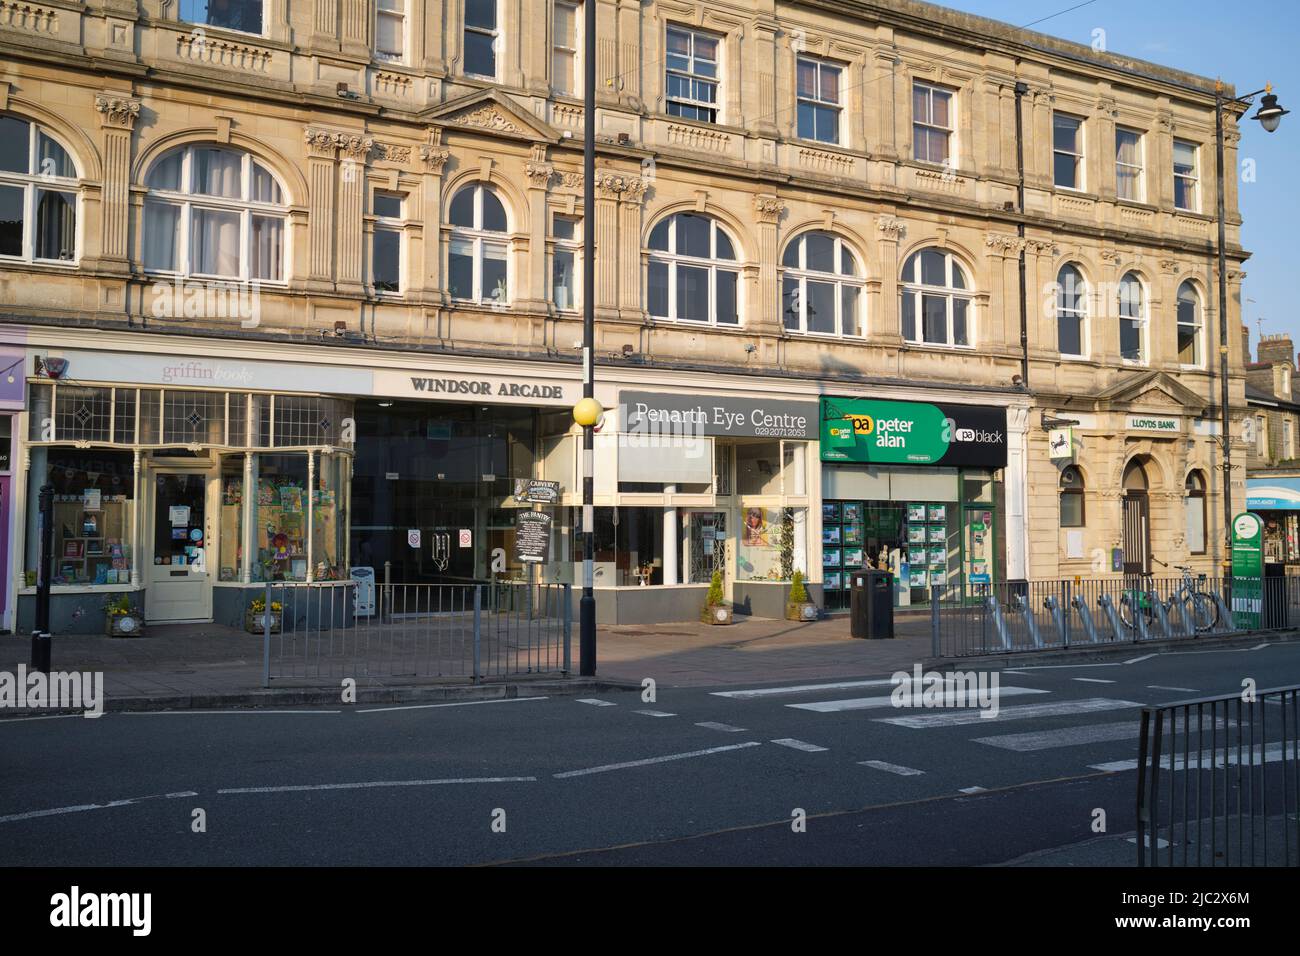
[(1275, 597), (871, 604)]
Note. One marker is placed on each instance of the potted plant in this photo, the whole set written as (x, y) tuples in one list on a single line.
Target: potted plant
[(255, 616), (121, 619), (716, 610), (798, 607)]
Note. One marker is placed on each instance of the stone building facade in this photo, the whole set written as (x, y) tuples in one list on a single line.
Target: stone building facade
[(797, 204)]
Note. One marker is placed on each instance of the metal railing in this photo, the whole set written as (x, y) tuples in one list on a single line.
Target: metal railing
[(472, 631), (1219, 781), (1025, 616)]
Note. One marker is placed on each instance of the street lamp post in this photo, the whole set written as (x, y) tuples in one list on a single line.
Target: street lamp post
[(587, 411), (1269, 116)]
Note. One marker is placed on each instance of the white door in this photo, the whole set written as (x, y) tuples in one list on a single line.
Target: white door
[(179, 582)]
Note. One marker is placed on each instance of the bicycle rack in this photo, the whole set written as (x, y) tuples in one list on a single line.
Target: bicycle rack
[(1058, 618), (999, 623), (1186, 614), (1139, 618), (1158, 609), (1026, 611), (1112, 614), (1226, 623), (1089, 628)]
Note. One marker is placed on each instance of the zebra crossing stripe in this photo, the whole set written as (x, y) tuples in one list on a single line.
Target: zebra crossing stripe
[(960, 718), (800, 689), (891, 768), (654, 713), (1063, 737), (596, 702), (868, 703), (799, 745), (725, 728)]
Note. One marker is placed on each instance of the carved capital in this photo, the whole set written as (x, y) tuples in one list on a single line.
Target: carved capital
[(768, 209), (320, 142), (434, 159), (539, 174), (614, 186), (118, 111), (328, 143), (891, 227), (1003, 244)]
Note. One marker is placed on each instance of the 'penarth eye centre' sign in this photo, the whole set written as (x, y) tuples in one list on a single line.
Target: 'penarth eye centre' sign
[(915, 433), (668, 413)]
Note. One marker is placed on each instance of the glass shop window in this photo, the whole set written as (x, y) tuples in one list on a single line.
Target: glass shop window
[(94, 507)]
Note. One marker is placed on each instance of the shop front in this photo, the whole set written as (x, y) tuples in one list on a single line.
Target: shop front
[(914, 488), (1276, 499)]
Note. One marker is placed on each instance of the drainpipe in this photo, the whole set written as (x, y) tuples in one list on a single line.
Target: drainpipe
[(1021, 90)]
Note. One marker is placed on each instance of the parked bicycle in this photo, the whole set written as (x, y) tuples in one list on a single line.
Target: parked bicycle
[(1190, 599)]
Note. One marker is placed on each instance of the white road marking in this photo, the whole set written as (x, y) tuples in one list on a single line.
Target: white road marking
[(891, 768), (1064, 737), (461, 703), (799, 745), (19, 720), (868, 703), (653, 760), (1185, 690), (596, 702), (376, 783), (972, 790), (1139, 660), (1259, 647), (725, 728), (799, 689), (269, 711), (1093, 680), (654, 713), (82, 807), (959, 718), (1057, 667), (1206, 759)]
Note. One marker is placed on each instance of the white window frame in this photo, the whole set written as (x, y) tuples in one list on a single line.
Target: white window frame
[(1080, 314), (950, 153), (693, 76), (574, 246), (1141, 320), (404, 16), (1288, 438), (188, 201), (818, 100), (261, 33), (917, 289), (1140, 166), (840, 280), (1198, 324), (574, 86), (389, 224), (480, 237), (1192, 180), (494, 33), (672, 258), (32, 184), (1080, 167)]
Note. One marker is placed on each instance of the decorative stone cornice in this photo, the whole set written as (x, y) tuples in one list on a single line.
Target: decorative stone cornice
[(768, 209), (119, 111), (1007, 245), (388, 152), (891, 227)]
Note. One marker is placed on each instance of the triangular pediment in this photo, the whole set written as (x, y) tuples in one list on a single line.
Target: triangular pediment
[(1150, 391), (493, 113)]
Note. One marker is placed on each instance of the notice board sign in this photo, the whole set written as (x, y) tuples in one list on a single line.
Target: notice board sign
[(533, 537)]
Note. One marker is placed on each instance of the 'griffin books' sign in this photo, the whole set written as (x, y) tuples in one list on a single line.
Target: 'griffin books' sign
[(916, 433)]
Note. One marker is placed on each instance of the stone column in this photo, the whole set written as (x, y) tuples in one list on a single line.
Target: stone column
[(434, 157), (539, 173), (355, 17), (355, 149), (761, 57), (1016, 486), (322, 151), (325, 25), (1003, 290), (609, 190), (1101, 147), (117, 116), (883, 318), (629, 251), (768, 210)]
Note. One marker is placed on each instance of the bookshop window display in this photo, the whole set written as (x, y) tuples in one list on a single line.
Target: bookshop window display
[(94, 511)]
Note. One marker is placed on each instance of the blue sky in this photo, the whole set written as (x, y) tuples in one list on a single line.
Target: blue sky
[(1247, 45)]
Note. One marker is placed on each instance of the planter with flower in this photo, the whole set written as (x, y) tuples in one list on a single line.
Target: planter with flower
[(798, 606), (716, 610), (121, 619), (255, 616)]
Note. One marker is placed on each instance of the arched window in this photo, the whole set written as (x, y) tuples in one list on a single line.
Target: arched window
[(38, 195), (1132, 319), (821, 286), (1135, 478), (1071, 312), (1072, 510), (1194, 511), (214, 212), (478, 267), (1190, 351), (687, 278), (936, 306)]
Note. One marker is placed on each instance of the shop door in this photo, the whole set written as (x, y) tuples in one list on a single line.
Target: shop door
[(179, 585), (706, 545), (1137, 534)]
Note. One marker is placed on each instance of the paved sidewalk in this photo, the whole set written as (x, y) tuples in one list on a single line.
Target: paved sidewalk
[(208, 665)]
